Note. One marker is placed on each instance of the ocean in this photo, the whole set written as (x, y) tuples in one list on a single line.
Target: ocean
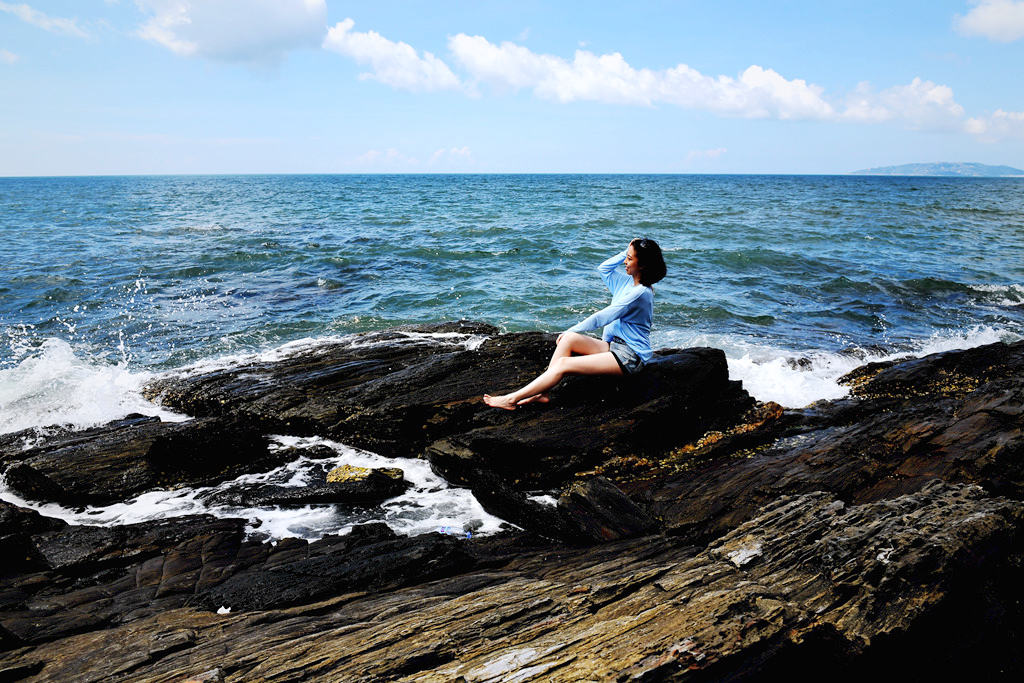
[(109, 281)]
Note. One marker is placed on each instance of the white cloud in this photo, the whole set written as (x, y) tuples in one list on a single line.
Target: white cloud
[(8, 57), (999, 20), (1000, 125), (396, 64), (922, 104), (756, 93), (391, 159), (451, 155), (234, 30), (68, 27), (702, 154)]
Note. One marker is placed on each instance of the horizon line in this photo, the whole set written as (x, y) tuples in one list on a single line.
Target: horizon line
[(861, 173)]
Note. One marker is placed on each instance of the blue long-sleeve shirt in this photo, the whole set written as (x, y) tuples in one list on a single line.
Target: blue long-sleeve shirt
[(629, 315)]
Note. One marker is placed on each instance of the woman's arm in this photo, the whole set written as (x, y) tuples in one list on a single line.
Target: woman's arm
[(607, 314), (613, 278)]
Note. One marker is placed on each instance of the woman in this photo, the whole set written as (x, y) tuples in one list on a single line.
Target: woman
[(625, 345)]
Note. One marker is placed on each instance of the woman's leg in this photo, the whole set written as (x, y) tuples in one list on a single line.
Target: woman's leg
[(574, 342), (568, 344), (593, 364)]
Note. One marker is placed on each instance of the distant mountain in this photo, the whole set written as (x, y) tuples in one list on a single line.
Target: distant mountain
[(945, 169)]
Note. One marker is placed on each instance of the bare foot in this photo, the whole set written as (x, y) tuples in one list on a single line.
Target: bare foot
[(499, 402), (536, 398)]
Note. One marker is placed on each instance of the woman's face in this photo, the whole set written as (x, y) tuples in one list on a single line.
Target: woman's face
[(632, 264)]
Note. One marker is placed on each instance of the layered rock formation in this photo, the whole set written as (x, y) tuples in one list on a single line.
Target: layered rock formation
[(696, 534)]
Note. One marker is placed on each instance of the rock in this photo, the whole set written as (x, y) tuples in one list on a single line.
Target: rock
[(361, 562), (87, 577), (840, 540), (315, 452), (17, 525), (808, 587), (215, 675), (33, 484), (350, 486), (350, 473), (19, 521), (361, 390), (602, 511), (957, 416), (800, 363), (498, 497), (399, 393), (374, 489), (951, 374), (678, 397), (590, 510), (85, 548), (19, 669), (412, 395), (127, 457)]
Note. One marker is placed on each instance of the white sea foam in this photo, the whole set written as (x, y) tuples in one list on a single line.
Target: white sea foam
[(53, 386), (429, 504), (470, 342), (796, 378), (1002, 295)]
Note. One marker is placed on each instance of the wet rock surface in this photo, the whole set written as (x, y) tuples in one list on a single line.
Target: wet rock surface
[(687, 532), (809, 582), (404, 396), (359, 486), (956, 416), (127, 457), (373, 391), (678, 397)]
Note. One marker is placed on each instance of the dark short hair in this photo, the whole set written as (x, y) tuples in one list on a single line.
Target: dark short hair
[(652, 263)]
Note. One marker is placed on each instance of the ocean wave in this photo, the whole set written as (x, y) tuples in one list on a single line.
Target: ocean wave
[(922, 289), (1002, 295), (53, 386), (796, 378)]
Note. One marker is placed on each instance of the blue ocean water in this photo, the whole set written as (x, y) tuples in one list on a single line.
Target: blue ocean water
[(105, 279)]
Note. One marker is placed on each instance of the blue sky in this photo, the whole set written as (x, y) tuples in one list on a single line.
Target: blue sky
[(314, 86)]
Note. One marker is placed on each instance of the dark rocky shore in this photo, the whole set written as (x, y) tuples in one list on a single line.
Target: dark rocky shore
[(698, 535)]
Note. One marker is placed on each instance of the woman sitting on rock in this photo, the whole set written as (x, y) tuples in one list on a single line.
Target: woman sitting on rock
[(625, 345)]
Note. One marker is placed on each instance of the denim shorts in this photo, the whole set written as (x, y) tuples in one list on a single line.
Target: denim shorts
[(628, 359)]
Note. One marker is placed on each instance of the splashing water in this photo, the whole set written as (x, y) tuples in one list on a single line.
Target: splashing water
[(795, 379), (52, 386)]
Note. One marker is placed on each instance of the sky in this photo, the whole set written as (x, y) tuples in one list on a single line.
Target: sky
[(648, 86)]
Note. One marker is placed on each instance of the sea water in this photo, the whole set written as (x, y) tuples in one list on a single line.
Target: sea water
[(107, 282)]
